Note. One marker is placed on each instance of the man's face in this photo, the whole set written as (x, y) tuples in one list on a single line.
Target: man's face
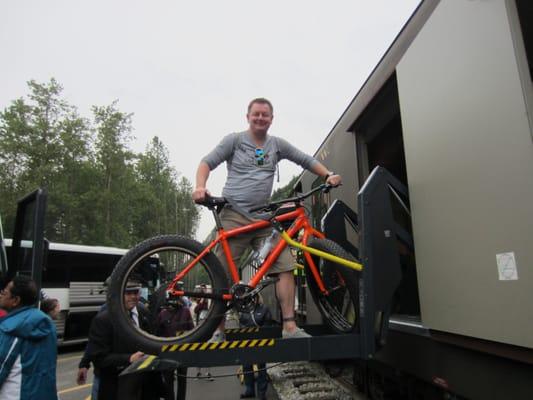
[(7, 301), (131, 298), (259, 118)]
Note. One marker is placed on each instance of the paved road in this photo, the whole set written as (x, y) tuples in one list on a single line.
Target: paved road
[(67, 368), (221, 388)]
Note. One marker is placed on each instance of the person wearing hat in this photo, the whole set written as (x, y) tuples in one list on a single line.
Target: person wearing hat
[(111, 353)]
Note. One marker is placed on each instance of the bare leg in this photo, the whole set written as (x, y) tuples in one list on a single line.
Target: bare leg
[(285, 290)]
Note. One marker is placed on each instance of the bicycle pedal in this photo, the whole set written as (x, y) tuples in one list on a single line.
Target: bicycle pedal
[(269, 281)]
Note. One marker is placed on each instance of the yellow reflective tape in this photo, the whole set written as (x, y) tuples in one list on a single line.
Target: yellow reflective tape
[(204, 345), (254, 342), (194, 346), (165, 347), (174, 347), (214, 345), (146, 362), (271, 343), (184, 346), (224, 344), (263, 342), (234, 344), (244, 343)]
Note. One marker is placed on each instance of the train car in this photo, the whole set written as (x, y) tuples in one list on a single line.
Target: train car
[(448, 111)]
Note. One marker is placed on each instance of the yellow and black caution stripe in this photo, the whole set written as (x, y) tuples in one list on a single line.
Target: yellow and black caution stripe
[(241, 330), (146, 362), (232, 344)]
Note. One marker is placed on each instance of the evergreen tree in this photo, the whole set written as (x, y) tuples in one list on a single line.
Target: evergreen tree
[(99, 191), (43, 141)]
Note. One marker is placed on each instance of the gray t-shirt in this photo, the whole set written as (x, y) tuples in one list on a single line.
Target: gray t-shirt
[(251, 169)]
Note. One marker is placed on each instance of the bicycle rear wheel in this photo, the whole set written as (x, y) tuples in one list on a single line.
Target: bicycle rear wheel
[(339, 307), (165, 320)]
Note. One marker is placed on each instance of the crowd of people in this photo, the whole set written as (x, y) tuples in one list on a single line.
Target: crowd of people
[(27, 334)]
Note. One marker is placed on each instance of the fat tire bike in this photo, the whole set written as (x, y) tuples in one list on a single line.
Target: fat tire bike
[(178, 270)]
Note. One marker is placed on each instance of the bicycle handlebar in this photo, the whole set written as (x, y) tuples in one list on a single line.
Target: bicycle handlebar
[(273, 206), (216, 202)]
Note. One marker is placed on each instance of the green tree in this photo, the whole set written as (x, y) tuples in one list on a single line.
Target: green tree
[(115, 175), (285, 191), (43, 141), (100, 192), (168, 204)]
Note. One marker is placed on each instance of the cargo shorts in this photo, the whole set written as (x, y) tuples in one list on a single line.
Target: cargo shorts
[(232, 219)]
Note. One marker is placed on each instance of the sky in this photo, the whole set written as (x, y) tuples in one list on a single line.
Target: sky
[(187, 70)]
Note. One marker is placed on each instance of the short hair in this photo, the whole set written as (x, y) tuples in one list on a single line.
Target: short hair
[(25, 288), (48, 305), (261, 100)]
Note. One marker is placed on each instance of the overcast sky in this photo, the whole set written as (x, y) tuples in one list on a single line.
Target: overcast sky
[(187, 70)]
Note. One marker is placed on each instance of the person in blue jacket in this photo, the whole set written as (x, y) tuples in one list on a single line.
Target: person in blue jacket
[(28, 351)]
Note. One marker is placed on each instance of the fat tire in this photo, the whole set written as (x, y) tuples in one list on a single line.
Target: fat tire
[(151, 344), (349, 276)]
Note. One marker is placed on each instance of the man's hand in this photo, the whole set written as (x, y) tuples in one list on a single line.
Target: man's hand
[(136, 356), (82, 376), (199, 194), (334, 180)]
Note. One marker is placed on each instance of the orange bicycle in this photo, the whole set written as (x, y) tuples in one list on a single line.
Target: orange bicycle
[(177, 271)]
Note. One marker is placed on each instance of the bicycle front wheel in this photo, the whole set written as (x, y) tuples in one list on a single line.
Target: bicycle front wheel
[(339, 307), (163, 319)]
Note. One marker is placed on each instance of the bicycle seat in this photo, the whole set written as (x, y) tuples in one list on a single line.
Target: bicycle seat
[(213, 202)]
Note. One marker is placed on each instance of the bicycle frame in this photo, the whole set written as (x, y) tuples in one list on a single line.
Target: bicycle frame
[(300, 222)]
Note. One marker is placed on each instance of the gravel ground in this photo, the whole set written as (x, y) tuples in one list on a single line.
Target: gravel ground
[(307, 381)]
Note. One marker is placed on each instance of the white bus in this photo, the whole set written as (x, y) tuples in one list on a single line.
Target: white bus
[(75, 275)]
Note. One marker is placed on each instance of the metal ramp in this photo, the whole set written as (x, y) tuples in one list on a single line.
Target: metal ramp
[(251, 347)]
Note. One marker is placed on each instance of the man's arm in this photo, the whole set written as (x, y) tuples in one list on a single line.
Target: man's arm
[(222, 152), (83, 366), (331, 177), (291, 153), (85, 361), (202, 174)]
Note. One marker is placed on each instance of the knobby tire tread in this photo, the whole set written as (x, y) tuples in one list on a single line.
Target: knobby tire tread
[(350, 277), (151, 344)]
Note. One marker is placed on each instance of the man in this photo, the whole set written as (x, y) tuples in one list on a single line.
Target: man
[(252, 157), (111, 353), (28, 349)]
